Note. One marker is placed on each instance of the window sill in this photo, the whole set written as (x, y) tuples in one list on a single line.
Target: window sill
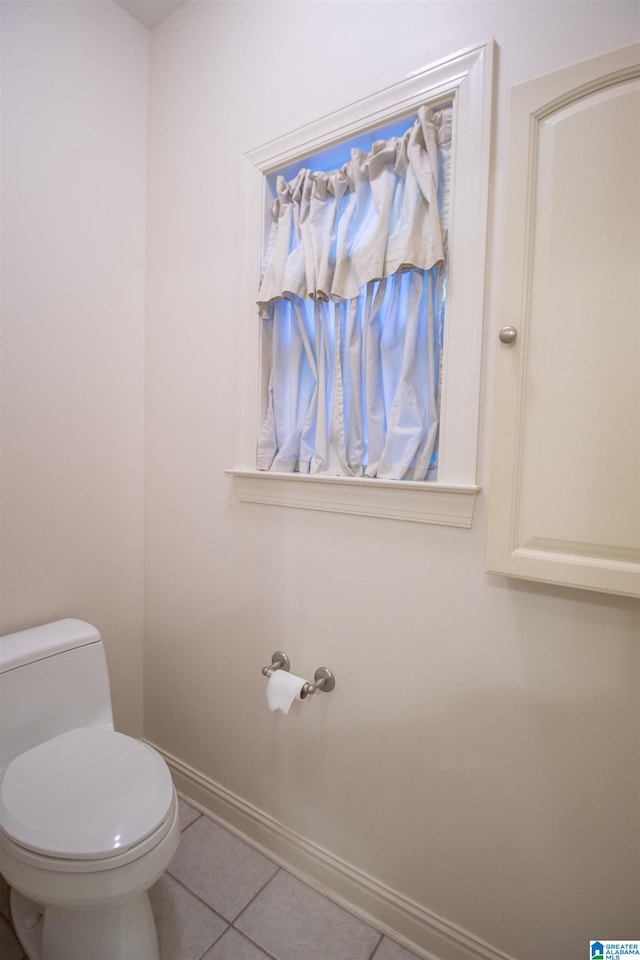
[(418, 502)]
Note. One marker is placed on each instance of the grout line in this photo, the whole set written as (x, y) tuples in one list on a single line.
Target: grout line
[(184, 829), (197, 897), (212, 945), (270, 956), (256, 895), (375, 949)]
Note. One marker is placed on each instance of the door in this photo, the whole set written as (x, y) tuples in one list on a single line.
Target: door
[(565, 488)]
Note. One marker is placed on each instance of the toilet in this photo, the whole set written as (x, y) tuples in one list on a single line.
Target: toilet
[(88, 816)]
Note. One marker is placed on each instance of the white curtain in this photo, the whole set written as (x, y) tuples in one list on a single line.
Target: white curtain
[(351, 304)]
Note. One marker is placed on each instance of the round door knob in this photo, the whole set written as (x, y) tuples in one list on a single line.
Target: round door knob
[(508, 335)]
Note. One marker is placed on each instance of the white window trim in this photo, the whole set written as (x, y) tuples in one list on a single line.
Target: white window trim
[(466, 79)]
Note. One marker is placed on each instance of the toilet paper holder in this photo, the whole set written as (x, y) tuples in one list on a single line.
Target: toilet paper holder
[(323, 678)]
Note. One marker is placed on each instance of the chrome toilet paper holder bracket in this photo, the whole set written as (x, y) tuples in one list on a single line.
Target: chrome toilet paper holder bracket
[(323, 678)]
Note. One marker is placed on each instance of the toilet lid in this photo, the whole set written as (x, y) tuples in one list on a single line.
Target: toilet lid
[(87, 794)]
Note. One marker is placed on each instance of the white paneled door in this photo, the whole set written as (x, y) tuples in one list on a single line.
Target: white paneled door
[(565, 491)]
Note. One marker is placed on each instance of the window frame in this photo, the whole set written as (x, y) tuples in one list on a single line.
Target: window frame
[(466, 79)]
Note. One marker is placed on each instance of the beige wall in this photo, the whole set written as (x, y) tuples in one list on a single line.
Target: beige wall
[(74, 87), (479, 754)]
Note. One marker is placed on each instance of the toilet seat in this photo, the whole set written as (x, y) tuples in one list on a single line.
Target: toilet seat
[(88, 795)]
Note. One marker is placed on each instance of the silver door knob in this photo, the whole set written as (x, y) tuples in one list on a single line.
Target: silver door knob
[(508, 335)]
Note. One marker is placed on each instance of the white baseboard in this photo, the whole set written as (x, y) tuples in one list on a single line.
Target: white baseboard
[(422, 932)]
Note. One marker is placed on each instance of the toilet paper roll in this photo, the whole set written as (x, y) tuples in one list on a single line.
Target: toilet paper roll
[(283, 688)]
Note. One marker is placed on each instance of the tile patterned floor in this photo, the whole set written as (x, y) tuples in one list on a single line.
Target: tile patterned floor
[(222, 900)]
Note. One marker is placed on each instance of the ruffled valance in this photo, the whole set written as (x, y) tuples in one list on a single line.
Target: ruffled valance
[(334, 232)]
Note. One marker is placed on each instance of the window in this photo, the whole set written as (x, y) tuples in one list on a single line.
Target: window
[(352, 300), (456, 89)]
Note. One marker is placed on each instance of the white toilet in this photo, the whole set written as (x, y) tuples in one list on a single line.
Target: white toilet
[(88, 816)]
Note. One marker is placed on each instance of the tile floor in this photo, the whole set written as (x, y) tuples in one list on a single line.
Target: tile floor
[(222, 900)]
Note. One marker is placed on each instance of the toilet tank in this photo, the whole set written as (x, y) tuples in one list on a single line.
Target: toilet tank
[(53, 678)]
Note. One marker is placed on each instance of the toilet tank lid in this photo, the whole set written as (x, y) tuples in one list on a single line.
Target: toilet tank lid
[(36, 643)]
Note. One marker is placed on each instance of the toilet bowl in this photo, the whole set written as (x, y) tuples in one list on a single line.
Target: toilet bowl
[(88, 816)]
